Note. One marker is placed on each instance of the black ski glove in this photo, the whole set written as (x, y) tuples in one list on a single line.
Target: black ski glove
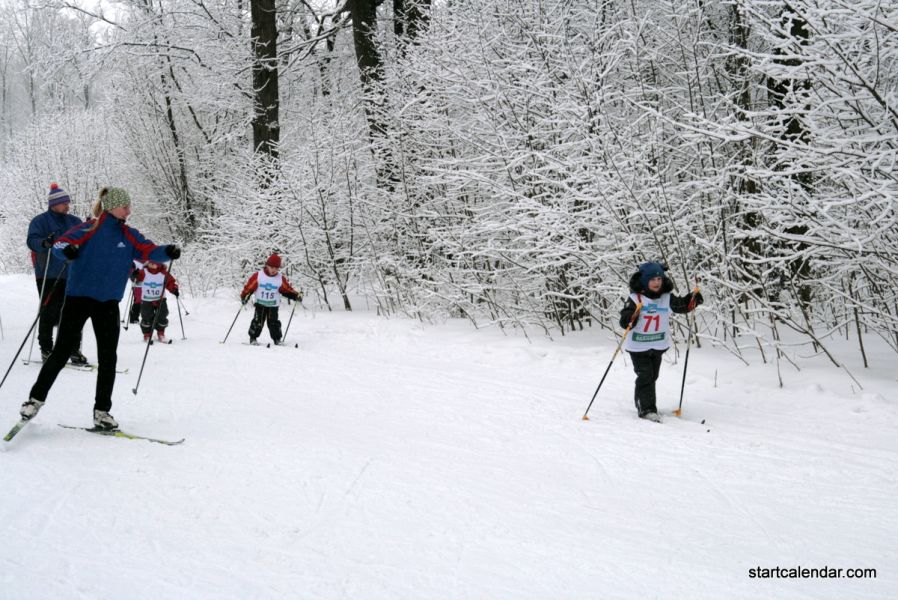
[(71, 252), (48, 242), (173, 252)]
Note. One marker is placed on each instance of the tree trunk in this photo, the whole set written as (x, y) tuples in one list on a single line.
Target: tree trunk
[(789, 96), (410, 17), (364, 30), (266, 129)]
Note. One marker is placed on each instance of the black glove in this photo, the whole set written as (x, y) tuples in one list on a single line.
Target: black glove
[(292, 296), (71, 252), (244, 299), (697, 299), (173, 252), (48, 241), (175, 293)]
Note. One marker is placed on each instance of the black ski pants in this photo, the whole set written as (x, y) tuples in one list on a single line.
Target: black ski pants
[(105, 320), (52, 293), (148, 315), (647, 365), (262, 315)]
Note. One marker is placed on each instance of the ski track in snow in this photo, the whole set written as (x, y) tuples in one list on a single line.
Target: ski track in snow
[(386, 459)]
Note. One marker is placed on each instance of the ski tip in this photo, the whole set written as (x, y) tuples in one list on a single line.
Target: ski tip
[(268, 345), (296, 345)]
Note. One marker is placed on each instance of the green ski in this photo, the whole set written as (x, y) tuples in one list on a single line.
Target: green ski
[(121, 434), (16, 429)]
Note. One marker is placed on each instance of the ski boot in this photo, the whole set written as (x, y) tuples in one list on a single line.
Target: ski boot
[(103, 420), (78, 359), (30, 409)]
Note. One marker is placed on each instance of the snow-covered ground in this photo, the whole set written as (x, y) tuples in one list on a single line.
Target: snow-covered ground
[(388, 459)]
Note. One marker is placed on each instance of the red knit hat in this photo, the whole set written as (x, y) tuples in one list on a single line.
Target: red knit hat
[(273, 261)]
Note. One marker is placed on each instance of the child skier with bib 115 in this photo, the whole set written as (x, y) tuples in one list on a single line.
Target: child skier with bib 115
[(649, 336), (267, 286), (151, 279)]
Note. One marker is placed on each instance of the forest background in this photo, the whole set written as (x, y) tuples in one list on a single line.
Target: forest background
[(505, 161)]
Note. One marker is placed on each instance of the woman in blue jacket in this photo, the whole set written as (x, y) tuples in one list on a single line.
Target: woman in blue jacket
[(100, 252)]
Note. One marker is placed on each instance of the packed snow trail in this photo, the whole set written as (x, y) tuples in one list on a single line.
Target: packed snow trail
[(388, 459)]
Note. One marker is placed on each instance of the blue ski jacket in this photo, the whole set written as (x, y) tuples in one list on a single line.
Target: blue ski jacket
[(107, 247), (39, 229)]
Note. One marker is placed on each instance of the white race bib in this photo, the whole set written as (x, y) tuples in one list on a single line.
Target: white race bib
[(652, 329), (267, 293), (152, 286)]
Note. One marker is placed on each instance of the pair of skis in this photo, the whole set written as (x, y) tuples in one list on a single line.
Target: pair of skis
[(269, 345), (113, 433), (88, 367)]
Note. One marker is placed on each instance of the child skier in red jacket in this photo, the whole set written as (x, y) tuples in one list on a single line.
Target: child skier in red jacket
[(268, 285), (152, 278)]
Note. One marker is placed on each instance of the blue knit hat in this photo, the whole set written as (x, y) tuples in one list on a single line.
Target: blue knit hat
[(57, 196), (650, 270)]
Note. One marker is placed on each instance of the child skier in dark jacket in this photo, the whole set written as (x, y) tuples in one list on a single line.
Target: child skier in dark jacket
[(649, 336)]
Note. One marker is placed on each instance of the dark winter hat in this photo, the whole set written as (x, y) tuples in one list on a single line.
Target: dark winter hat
[(57, 196), (273, 261), (650, 270)]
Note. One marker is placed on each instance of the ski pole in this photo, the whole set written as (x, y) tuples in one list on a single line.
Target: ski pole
[(20, 348), (153, 328), (290, 320), (39, 304), (127, 319), (178, 301), (130, 300), (689, 324), (30, 329), (616, 350), (242, 305)]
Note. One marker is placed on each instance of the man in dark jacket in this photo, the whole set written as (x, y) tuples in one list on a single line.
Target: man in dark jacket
[(49, 270)]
